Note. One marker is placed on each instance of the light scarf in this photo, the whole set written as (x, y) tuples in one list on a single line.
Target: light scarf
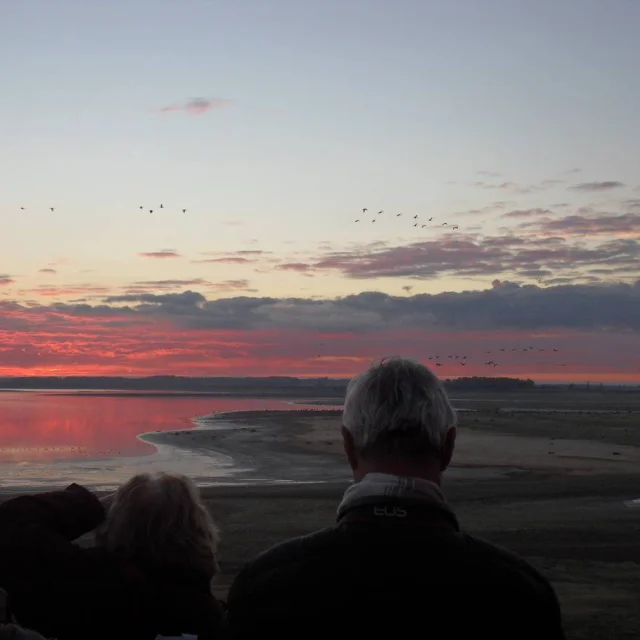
[(382, 485)]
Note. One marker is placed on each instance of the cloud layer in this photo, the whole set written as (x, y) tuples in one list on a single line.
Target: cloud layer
[(596, 330), (562, 278), (589, 247)]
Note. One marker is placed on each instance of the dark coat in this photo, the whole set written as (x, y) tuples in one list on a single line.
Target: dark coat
[(73, 593), (392, 569)]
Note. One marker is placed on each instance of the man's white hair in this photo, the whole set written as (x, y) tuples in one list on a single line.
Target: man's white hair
[(398, 406)]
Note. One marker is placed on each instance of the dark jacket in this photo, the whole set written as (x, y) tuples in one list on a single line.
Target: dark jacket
[(392, 568), (73, 593)]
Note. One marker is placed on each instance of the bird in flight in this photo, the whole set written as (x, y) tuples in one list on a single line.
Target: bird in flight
[(379, 212), (150, 210), (142, 207), (416, 224), (162, 206), (373, 220), (415, 217), (358, 220), (442, 225), (184, 211), (398, 214), (455, 227), (423, 226), (430, 219), (365, 210), (51, 209), (22, 208)]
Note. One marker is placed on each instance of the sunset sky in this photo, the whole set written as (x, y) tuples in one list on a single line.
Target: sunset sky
[(274, 123)]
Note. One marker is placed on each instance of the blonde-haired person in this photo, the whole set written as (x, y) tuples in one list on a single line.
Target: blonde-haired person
[(149, 573)]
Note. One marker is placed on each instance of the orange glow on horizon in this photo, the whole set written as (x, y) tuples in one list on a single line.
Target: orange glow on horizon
[(108, 342)]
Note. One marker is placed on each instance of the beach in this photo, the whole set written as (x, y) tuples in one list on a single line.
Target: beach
[(554, 486)]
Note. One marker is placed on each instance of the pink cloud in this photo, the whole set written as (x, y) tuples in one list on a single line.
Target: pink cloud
[(165, 253), (198, 106), (186, 334), (227, 260), (526, 213), (606, 185), (300, 267)]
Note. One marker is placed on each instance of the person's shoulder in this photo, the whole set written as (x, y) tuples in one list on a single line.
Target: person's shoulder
[(286, 557), (296, 548), (507, 565)]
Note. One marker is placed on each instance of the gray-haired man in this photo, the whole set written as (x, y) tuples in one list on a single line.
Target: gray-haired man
[(396, 561)]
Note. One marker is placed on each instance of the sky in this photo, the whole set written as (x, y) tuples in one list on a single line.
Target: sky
[(206, 162)]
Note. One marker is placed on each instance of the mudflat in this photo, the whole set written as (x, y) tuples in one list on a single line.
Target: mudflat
[(555, 487)]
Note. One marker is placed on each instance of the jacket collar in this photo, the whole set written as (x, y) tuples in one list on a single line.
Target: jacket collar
[(381, 511)]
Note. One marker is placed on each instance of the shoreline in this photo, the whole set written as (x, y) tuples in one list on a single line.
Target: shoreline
[(300, 442), (305, 444), (262, 453)]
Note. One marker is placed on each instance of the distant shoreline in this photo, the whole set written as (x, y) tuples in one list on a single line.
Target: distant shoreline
[(117, 393)]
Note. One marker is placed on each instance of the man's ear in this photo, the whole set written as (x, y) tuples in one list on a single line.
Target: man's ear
[(349, 449), (449, 446)]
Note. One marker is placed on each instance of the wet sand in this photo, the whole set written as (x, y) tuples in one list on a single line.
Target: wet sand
[(305, 445), (552, 487)]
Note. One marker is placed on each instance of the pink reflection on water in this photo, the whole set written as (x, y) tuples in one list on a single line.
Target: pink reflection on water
[(49, 427)]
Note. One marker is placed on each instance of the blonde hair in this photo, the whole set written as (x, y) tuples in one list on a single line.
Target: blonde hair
[(161, 519)]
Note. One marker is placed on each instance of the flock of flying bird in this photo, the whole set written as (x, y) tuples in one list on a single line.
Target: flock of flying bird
[(415, 224), (462, 360), (142, 207), (364, 211)]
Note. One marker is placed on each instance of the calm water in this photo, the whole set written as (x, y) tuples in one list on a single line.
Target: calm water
[(47, 437)]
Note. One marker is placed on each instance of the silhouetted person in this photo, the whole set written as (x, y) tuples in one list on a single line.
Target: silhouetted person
[(150, 572), (396, 564)]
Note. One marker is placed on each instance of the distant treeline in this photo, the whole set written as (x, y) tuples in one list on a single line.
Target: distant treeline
[(276, 386), (279, 386), (478, 383)]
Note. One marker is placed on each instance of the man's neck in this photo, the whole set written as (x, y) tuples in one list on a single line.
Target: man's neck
[(428, 471)]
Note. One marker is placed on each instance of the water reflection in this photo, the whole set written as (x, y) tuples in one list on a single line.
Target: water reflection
[(50, 427)]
